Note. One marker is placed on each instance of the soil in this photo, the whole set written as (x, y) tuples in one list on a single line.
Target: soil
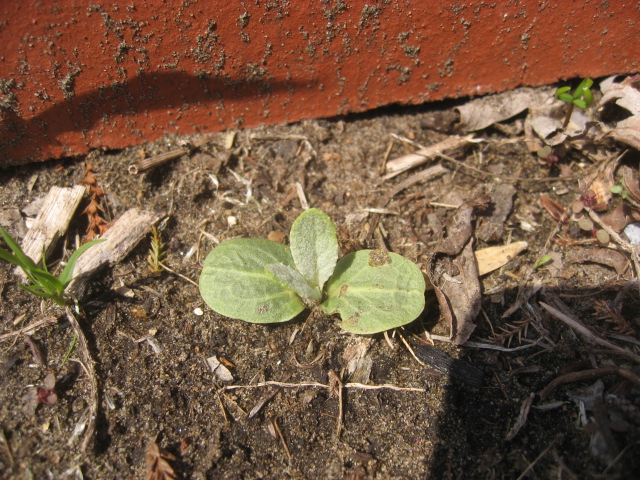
[(164, 390)]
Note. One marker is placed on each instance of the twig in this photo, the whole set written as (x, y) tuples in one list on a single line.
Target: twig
[(276, 428), (303, 199), (336, 384), (488, 346), (522, 418), (89, 367), (385, 386), (406, 344), (532, 464), (619, 457), (588, 334), (405, 162), (149, 163), (32, 327), (176, 273), (506, 177), (585, 375), (424, 175)]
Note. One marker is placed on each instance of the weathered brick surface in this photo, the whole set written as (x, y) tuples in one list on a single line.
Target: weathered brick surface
[(76, 76)]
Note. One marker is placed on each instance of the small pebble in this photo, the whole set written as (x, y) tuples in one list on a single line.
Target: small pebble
[(632, 231)]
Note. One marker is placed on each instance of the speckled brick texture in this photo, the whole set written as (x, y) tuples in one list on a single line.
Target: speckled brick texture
[(77, 75)]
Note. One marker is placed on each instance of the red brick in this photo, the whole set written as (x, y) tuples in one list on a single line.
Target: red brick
[(76, 77)]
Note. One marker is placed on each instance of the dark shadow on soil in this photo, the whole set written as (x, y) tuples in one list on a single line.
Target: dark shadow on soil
[(143, 93)]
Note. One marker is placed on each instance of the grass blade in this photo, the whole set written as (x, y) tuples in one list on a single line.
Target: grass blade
[(67, 273), (25, 261)]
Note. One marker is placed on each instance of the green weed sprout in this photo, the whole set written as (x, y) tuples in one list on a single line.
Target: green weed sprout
[(581, 96), (620, 190), (43, 283), (262, 281)]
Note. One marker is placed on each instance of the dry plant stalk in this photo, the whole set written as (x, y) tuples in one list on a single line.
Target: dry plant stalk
[(97, 225), (157, 160), (88, 364)]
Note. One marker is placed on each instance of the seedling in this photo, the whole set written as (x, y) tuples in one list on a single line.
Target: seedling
[(581, 96), (43, 283), (157, 252), (262, 281), (542, 262), (619, 190)]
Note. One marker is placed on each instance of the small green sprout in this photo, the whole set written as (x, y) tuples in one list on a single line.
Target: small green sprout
[(43, 283), (262, 281), (581, 96), (543, 261), (620, 190)]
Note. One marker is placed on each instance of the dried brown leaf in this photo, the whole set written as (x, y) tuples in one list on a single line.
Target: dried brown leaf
[(626, 95), (556, 210), (157, 460), (459, 293), (620, 217), (604, 256), (482, 112)]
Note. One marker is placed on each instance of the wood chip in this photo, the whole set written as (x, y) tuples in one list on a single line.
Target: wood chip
[(121, 238), (401, 164), (51, 223)]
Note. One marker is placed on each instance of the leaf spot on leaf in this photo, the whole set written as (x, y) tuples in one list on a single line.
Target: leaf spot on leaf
[(343, 290), (353, 319), (378, 258), (263, 308)]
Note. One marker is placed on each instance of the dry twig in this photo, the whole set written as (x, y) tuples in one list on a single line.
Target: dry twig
[(588, 334), (585, 375), (89, 367), (157, 160), (385, 386)]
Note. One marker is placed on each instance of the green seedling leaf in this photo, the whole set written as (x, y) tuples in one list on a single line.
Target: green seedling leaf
[(565, 97), (374, 290), (588, 97), (561, 91), (23, 261), (314, 247), (67, 273), (294, 280), (38, 291), (584, 86), (580, 103), (543, 261), (235, 282), (48, 281)]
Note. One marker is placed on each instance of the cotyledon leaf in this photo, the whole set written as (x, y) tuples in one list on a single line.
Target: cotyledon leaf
[(235, 283), (374, 290)]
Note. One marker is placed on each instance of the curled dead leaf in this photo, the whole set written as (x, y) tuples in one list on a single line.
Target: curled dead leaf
[(157, 460), (604, 256)]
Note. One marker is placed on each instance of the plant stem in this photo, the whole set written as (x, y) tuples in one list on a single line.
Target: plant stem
[(568, 117)]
